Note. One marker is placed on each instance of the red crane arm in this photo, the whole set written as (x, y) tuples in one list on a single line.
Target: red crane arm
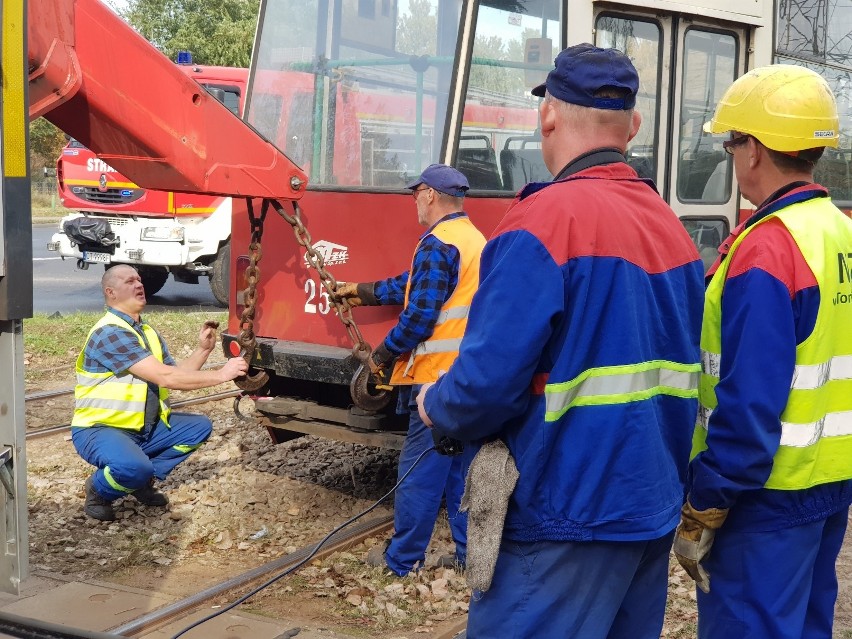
[(102, 83)]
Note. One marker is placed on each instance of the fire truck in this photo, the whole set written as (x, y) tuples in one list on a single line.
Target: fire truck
[(158, 232)]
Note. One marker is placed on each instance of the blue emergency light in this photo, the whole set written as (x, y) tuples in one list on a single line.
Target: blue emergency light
[(184, 57)]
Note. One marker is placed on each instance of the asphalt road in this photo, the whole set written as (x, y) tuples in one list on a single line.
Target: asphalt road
[(60, 286)]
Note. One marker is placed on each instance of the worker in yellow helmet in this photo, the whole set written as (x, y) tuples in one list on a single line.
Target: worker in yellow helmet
[(770, 477)]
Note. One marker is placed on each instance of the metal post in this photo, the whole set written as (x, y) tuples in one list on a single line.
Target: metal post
[(16, 295)]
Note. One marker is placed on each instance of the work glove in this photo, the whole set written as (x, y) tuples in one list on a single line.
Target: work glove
[(356, 294), (379, 361), (694, 538)]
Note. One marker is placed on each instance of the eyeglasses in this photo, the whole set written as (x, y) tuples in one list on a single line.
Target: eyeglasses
[(729, 145), (416, 191)]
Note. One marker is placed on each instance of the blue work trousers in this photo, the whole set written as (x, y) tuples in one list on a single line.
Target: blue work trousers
[(126, 460), (574, 590), (780, 584), (418, 498)]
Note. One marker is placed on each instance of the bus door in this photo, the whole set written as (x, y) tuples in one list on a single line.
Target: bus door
[(685, 65)]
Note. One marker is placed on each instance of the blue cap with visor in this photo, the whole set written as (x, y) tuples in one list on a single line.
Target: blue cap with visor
[(442, 178), (583, 70)]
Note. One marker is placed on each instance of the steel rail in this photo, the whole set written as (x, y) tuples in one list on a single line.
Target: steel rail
[(212, 397), (341, 541), (34, 397)]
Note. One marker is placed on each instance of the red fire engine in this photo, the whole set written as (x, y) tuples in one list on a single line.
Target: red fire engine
[(159, 232)]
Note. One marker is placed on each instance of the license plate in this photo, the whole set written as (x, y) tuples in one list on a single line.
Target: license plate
[(102, 258)]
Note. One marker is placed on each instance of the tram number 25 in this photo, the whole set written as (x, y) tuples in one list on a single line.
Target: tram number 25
[(318, 301)]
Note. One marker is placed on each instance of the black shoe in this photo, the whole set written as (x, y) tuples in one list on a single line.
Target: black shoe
[(450, 560), (150, 496), (96, 506)]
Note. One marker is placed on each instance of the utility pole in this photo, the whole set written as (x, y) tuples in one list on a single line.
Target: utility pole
[(16, 291)]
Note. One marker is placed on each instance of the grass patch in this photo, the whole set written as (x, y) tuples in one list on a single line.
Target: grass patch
[(52, 343)]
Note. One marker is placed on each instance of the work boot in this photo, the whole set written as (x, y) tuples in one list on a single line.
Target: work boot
[(450, 560), (150, 496), (376, 555), (96, 506)]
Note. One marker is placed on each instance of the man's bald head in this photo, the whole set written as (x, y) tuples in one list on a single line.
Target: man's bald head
[(113, 275)]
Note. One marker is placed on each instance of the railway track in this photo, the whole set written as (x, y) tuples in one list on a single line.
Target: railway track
[(52, 430), (341, 541), (191, 607)]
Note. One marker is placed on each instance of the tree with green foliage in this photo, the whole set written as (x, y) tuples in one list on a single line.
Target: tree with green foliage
[(416, 29), (46, 142), (216, 32)]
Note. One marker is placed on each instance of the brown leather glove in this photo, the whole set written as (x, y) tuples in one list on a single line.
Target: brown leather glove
[(379, 360), (694, 538), (356, 294)]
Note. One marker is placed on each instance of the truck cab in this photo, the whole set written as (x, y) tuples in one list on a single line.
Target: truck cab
[(114, 221)]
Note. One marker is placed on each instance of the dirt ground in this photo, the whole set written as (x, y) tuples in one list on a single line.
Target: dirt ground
[(240, 502)]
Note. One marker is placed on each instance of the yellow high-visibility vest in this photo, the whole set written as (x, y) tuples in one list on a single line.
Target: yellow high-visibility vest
[(436, 353), (816, 424), (117, 401)]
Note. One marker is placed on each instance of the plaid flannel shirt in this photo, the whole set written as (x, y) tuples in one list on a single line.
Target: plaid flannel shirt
[(434, 276)]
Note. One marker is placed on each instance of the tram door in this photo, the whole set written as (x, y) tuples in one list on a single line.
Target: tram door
[(684, 67)]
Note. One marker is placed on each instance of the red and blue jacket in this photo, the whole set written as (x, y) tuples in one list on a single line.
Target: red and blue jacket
[(593, 270), (769, 306)]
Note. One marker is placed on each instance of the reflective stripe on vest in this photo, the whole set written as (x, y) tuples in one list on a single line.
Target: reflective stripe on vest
[(116, 400), (621, 384), (435, 354), (816, 424)]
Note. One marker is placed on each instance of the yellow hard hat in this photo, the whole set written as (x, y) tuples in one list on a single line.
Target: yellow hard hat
[(786, 107)]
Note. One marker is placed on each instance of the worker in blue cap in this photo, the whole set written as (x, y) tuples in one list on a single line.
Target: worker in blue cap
[(435, 295), (577, 379)]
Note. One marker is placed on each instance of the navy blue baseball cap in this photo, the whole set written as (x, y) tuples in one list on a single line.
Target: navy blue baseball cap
[(442, 178), (584, 69)]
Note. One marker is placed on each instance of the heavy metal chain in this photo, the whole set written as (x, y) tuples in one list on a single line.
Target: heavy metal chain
[(246, 338), (358, 387), (341, 305)]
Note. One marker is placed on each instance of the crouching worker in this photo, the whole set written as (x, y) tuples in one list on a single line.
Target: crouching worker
[(122, 423)]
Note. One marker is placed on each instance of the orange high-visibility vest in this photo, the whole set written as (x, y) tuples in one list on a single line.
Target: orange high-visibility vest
[(436, 353)]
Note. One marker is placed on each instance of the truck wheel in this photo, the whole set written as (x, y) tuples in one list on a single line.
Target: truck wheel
[(220, 274), (153, 278)]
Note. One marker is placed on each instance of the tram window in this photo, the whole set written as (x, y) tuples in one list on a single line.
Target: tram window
[(266, 116), (640, 40), (514, 48), (709, 66), (364, 87), (521, 162), (707, 234)]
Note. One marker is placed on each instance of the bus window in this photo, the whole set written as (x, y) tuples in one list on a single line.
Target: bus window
[(640, 40), (709, 68), (513, 50), (363, 86)]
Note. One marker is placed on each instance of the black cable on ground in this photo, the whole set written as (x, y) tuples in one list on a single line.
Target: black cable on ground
[(325, 539)]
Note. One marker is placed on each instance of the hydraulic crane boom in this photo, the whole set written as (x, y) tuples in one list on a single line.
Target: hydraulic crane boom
[(98, 80)]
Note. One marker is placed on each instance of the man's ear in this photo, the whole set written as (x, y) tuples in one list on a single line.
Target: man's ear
[(548, 118), (635, 123)]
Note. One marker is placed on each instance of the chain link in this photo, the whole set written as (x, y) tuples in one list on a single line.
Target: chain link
[(361, 348), (246, 338)]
